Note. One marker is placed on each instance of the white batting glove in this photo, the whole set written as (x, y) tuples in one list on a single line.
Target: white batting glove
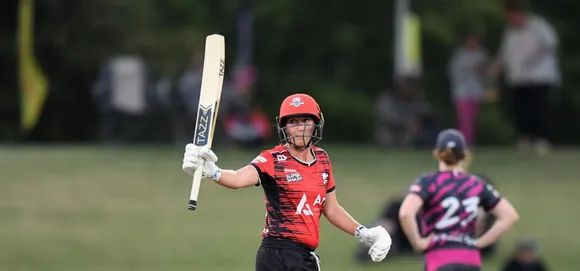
[(195, 157), (377, 238), (366, 236)]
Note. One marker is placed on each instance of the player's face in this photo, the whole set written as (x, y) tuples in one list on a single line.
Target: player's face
[(300, 130)]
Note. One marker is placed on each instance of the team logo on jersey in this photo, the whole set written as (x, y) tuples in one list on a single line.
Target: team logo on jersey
[(294, 177), (259, 159), (296, 102), (281, 157), (325, 178)]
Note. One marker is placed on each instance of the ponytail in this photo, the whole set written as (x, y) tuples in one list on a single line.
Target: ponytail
[(449, 157)]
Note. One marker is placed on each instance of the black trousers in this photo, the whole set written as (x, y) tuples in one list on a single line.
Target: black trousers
[(286, 256), (530, 108), (458, 267)]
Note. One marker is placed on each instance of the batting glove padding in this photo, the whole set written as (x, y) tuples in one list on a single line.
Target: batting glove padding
[(195, 157), (377, 238)]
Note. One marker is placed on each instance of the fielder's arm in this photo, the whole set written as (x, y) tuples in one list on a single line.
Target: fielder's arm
[(407, 216), (506, 216), (337, 216)]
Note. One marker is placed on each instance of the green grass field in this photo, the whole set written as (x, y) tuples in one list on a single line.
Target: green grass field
[(90, 208)]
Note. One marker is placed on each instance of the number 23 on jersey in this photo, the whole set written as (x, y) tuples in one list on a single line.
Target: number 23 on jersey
[(454, 208)]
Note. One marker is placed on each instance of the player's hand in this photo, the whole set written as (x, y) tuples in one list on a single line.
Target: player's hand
[(195, 157), (368, 236), (382, 245), (377, 238), (423, 243)]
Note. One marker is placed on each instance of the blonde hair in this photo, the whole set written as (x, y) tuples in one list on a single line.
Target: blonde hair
[(449, 158)]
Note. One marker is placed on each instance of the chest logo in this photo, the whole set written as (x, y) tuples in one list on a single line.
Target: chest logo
[(294, 177), (325, 178)]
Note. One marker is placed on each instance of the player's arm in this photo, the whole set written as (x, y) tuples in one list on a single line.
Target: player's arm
[(377, 238), (504, 212), (338, 216), (205, 158), (408, 219), (334, 213), (241, 178), (506, 216), (418, 194)]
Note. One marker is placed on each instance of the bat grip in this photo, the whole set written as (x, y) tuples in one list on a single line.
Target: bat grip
[(196, 183)]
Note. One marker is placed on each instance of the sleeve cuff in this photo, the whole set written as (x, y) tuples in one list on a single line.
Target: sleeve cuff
[(259, 174), (332, 189)]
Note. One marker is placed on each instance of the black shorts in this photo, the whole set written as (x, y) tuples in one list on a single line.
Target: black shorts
[(285, 258), (458, 267)]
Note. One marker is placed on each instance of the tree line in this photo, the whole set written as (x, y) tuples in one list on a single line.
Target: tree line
[(339, 51)]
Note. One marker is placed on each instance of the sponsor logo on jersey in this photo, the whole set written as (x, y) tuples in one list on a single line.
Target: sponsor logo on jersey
[(304, 207), (259, 159), (294, 177)]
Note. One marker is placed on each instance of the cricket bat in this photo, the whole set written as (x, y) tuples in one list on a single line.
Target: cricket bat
[(209, 101)]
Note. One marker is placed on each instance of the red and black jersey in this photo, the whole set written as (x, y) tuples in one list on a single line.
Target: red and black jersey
[(295, 192)]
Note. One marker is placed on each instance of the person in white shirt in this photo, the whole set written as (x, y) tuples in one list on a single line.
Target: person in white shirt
[(528, 59)]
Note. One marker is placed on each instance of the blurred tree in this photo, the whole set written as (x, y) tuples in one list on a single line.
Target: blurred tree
[(339, 51)]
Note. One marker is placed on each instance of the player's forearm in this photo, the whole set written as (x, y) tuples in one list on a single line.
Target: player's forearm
[(410, 228), (341, 219), (499, 228), (234, 179), (229, 178)]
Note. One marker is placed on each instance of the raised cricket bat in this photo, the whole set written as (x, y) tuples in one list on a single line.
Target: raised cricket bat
[(209, 101)]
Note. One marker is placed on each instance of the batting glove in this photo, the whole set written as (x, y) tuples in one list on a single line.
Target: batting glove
[(196, 157), (377, 238), (380, 249)]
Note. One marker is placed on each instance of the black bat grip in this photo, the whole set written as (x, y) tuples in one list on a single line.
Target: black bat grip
[(192, 205)]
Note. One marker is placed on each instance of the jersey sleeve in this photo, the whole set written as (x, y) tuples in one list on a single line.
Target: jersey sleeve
[(328, 174), (420, 188), (489, 197), (264, 164), (330, 186)]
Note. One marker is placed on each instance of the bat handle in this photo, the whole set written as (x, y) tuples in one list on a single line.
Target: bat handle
[(196, 183)]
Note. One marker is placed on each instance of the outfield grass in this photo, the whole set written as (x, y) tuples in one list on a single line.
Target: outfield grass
[(89, 208)]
